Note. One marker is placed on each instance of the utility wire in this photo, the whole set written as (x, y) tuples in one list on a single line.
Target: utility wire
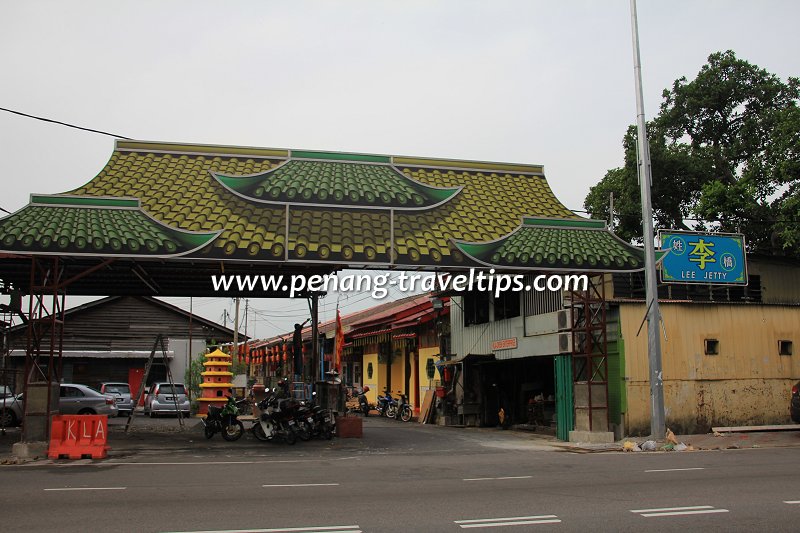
[(43, 119)]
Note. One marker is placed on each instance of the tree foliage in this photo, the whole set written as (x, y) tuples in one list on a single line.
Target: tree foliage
[(725, 155)]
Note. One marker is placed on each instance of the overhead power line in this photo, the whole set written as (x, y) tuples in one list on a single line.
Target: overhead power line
[(43, 119)]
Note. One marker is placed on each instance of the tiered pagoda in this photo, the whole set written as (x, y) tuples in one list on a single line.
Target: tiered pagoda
[(217, 378)]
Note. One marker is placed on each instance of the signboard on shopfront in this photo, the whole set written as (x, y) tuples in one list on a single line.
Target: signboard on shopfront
[(504, 344)]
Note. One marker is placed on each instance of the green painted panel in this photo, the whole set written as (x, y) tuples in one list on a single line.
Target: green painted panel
[(615, 385), (572, 223), (565, 411), (336, 156), (87, 200)]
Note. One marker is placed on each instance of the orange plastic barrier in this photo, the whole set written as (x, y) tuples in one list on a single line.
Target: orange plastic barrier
[(78, 436)]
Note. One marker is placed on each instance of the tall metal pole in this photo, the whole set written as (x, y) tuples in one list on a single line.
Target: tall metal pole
[(657, 422), (235, 350), (316, 374), (189, 351), (246, 347)]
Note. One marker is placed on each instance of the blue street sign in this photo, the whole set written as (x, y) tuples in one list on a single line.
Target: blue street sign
[(715, 258)]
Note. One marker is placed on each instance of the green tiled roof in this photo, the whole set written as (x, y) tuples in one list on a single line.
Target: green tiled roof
[(345, 184), (96, 226), (558, 244), (350, 209)]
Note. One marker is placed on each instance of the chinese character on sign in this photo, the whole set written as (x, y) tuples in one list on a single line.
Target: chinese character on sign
[(702, 253), (727, 261), (677, 245)]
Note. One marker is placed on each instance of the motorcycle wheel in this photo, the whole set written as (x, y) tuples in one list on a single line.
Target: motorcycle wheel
[(405, 414), (304, 431), (289, 437), (328, 434), (209, 431), (365, 409), (391, 411), (258, 431), (233, 431)]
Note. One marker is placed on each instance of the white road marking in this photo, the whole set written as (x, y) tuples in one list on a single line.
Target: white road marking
[(312, 529), (305, 485), (90, 488), (491, 478), (203, 463), (679, 511), (792, 502), (509, 521), (676, 469)]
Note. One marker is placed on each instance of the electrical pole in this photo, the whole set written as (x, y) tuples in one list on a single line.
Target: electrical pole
[(657, 418), (315, 362), (235, 351), (246, 355), (189, 351)]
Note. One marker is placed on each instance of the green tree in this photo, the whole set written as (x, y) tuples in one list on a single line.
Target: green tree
[(725, 155), (192, 378)]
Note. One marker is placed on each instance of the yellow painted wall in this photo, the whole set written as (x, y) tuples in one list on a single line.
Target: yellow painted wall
[(425, 384), (748, 382), (398, 372), (412, 383), (372, 383)]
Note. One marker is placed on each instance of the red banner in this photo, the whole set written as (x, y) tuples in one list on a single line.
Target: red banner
[(337, 359)]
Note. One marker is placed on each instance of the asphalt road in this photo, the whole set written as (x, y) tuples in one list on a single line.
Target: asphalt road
[(404, 478)]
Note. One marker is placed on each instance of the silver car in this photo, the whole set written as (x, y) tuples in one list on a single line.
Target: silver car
[(11, 411), (74, 399), (121, 393), (77, 399), (162, 397)]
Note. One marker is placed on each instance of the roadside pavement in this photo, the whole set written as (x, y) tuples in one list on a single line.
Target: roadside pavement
[(150, 438)]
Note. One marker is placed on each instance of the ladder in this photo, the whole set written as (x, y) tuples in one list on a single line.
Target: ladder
[(159, 342)]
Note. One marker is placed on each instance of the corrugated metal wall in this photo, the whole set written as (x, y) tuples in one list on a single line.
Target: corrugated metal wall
[(747, 382), (540, 338), (125, 323)]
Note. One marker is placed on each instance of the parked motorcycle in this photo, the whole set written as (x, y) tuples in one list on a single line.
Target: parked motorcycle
[(391, 406), (223, 420), (404, 410), (275, 421), (324, 424), (384, 404), (303, 415), (363, 403)]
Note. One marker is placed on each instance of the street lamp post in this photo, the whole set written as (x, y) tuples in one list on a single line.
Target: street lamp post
[(657, 422)]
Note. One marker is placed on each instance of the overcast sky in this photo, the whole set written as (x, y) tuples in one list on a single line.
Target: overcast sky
[(538, 82)]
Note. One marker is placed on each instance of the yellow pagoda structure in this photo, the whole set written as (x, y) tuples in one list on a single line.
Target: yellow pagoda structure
[(217, 378)]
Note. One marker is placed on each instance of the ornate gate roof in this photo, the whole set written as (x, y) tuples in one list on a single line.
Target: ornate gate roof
[(218, 203)]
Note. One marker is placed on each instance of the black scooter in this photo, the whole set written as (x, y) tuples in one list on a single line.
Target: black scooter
[(404, 411)]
